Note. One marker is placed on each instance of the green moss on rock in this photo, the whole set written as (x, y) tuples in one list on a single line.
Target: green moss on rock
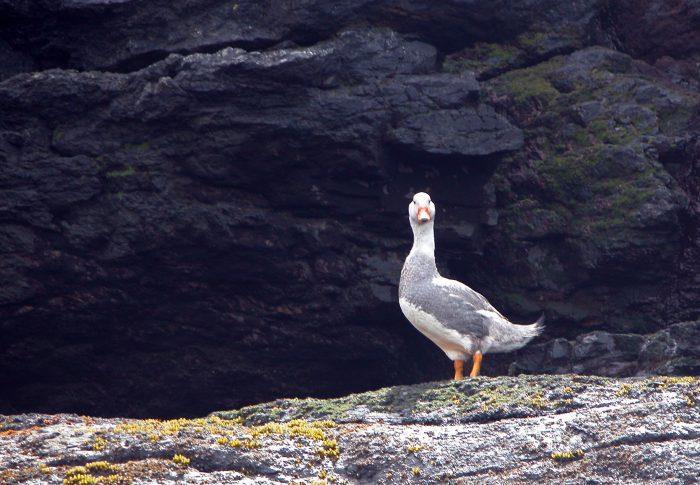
[(588, 123), (528, 86), (461, 401), (483, 59)]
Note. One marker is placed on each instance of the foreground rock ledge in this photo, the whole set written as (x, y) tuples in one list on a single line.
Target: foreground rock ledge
[(520, 429)]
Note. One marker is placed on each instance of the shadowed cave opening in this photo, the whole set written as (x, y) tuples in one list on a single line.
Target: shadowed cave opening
[(168, 340)]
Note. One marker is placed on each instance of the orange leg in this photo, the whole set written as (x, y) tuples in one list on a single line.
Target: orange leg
[(459, 365), (477, 364)]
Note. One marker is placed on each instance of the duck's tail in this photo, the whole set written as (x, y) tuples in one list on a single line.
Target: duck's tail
[(508, 336), (531, 331)]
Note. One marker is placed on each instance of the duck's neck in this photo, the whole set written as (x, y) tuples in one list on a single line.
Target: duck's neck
[(420, 263), (423, 239), (422, 255)]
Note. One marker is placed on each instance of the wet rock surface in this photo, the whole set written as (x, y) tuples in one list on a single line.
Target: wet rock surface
[(202, 204), (547, 429)]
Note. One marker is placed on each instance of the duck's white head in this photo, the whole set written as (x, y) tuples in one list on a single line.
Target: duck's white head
[(421, 210)]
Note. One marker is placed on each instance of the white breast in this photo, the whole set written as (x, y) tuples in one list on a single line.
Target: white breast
[(455, 345)]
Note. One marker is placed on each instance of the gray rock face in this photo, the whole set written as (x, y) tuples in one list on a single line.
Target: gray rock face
[(126, 35), (547, 429), (673, 350), (203, 203), (465, 132)]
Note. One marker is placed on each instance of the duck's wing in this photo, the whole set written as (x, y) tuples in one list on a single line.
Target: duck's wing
[(475, 298), (457, 309)]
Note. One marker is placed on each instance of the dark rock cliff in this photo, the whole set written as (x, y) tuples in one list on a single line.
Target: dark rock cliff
[(203, 203)]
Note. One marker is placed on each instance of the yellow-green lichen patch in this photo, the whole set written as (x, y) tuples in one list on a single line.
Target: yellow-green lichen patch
[(98, 472), (329, 449), (623, 390), (181, 460), (532, 40), (679, 380), (250, 444), (567, 455), (539, 401), (155, 429), (687, 386), (297, 428), (230, 433), (149, 470), (98, 443), (414, 448), (315, 430)]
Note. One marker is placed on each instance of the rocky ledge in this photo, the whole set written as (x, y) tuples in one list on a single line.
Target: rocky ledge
[(515, 429)]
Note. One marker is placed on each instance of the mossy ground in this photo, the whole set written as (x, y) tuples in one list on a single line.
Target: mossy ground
[(461, 401)]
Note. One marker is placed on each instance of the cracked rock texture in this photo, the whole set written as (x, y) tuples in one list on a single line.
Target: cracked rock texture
[(543, 429), (203, 203)]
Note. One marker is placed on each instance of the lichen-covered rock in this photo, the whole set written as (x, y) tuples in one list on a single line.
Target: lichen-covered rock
[(548, 429)]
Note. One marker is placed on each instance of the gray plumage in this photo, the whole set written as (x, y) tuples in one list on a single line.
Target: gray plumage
[(456, 318), (454, 308)]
